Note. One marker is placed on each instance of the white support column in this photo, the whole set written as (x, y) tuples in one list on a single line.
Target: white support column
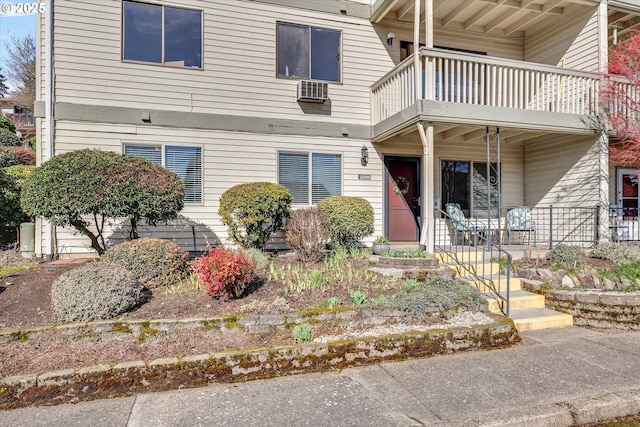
[(427, 232), (416, 56), (604, 232)]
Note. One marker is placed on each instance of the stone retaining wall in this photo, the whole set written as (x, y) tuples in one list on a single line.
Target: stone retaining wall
[(600, 309), (103, 381)]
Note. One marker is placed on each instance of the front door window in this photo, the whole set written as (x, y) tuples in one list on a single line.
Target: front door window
[(628, 195)]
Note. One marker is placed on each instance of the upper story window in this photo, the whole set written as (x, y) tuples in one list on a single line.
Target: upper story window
[(184, 161), (162, 34), (306, 52)]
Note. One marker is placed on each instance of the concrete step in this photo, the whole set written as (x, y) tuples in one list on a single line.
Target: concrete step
[(460, 256), (480, 269), (535, 319), (499, 284), (518, 300)]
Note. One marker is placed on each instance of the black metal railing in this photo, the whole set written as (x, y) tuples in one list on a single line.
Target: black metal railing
[(474, 248), (553, 225), (624, 224)]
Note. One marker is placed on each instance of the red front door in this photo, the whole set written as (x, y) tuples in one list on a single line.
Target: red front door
[(403, 198)]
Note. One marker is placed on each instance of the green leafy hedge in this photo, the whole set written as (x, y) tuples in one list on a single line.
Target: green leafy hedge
[(9, 139), (351, 219), (7, 124), (252, 212), (83, 184)]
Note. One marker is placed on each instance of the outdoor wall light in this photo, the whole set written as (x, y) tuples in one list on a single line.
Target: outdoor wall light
[(390, 38), (365, 155)]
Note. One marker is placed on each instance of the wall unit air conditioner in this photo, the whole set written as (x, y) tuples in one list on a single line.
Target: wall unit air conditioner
[(312, 91)]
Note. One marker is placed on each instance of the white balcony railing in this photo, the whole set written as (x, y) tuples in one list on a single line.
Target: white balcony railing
[(478, 80)]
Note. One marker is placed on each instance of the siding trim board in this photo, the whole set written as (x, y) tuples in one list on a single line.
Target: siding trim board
[(179, 119)]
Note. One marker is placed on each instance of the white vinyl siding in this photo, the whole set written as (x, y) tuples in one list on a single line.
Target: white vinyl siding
[(238, 74), (228, 159), (186, 162), (322, 180)]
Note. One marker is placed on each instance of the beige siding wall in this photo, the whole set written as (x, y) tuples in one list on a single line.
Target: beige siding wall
[(500, 47), (229, 158), (573, 44), (239, 63), (562, 171)]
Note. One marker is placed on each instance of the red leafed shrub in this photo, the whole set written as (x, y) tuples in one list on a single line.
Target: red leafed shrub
[(26, 156), (224, 274)]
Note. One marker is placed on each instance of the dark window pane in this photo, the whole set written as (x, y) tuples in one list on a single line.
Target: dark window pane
[(142, 32), (183, 36), (292, 43), (325, 54), (456, 184), (480, 188), (293, 173)]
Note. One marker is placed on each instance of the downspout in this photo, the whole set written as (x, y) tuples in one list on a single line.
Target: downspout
[(48, 154)]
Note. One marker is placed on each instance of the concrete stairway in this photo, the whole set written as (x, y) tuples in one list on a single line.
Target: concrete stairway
[(526, 309)]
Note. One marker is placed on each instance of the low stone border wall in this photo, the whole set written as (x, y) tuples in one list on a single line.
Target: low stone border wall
[(113, 329), (600, 309), (105, 381)]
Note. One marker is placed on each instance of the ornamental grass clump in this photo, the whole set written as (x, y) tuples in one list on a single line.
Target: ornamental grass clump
[(351, 219), (154, 262), (224, 274), (308, 232), (96, 291)]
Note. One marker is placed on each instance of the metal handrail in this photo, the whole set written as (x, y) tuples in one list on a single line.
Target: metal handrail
[(470, 238)]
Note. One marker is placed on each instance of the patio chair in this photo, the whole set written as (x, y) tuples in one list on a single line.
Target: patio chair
[(519, 220), (461, 230)]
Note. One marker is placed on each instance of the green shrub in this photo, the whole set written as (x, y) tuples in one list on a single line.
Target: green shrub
[(154, 262), (95, 291), (8, 158), (351, 219), (438, 295), (7, 124), (32, 143), (308, 232), (11, 213), (83, 185), (252, 212), (565, 254), (358, 297), (615, 252), (9, 139), (26, 156)]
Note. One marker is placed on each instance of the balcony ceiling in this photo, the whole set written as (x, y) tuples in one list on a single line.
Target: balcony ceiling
[(506, 18)]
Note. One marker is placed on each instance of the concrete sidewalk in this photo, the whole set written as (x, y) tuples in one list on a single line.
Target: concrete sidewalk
[(558, 377)]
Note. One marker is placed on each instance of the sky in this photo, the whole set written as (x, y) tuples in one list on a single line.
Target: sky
[(15, 23)]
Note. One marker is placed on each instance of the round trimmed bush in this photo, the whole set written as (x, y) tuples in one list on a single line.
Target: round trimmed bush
[(154, 262), (9, 139), (8, 158), (351, 219), (96, 291), (7, 124), (252, 212)]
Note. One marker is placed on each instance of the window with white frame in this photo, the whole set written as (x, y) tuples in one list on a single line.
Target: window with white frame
[(161, 34), (306, 52), (184, 161), (311, 177)]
